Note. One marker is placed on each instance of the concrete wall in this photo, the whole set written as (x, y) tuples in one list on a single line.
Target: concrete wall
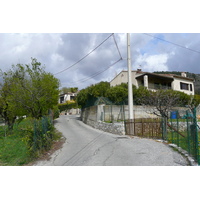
[(93, 116), (89, 115), (120, 112), (96, 116)]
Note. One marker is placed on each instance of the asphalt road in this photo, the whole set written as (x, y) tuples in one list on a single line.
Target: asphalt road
[(86, 146)]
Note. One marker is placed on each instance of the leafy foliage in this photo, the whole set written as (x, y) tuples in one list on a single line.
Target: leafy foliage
[(164, 100), (118, 93), (30, 138), (67, 106), (98, 90), (140, 94), (27, 90), (82, 97), (65, 90)]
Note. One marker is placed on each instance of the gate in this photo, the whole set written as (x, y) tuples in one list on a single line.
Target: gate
[(145, 127)]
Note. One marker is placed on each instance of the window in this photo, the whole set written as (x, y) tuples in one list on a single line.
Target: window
[(184, 86), (191, 88), (61, 99), (72, 98)]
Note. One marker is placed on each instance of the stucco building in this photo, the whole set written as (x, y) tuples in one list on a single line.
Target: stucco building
[(67, 97), (153, 81)]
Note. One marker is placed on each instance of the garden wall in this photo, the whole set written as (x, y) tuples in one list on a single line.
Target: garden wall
[(114, 115)]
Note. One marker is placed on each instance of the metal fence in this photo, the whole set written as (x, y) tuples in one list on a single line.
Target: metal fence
[(183, 130), (42, 136)]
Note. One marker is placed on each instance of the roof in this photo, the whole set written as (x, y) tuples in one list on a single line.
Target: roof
[(186, 78), (68, 93), (166, 76), (155, 75), (177, 76)]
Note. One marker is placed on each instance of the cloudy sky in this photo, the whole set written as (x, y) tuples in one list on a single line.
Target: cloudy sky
[(60, 51)]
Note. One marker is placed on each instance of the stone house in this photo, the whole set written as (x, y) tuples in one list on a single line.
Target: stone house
[(154, 81)]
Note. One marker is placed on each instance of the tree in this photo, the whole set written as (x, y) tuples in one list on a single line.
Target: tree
[(118, 93), (193, 101), (140, 94), (29, 90), (82, 97), (9, 108), (99, 89), (91, 92), (67, 106), (65, 90), (164, 100)]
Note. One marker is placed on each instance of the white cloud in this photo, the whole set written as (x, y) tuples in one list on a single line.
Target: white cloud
[(59, 51), (152, 63)]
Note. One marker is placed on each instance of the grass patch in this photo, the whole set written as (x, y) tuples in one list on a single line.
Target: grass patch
[(16, 148), (13, 151)]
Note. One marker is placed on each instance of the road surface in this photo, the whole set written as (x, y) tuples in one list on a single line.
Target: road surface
[(86, 146)]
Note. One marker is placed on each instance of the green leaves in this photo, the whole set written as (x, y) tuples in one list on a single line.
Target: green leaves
[(28, 90), (98, 90), (118, 93)]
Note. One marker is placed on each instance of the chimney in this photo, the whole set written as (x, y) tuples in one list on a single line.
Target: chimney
[(183, 74)]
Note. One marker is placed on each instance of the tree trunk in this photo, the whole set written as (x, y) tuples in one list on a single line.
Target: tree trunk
[(10, 123)]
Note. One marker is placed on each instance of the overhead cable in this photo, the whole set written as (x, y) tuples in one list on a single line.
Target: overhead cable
[(117, 46), (96, 73), (172, 43), (85, 55)]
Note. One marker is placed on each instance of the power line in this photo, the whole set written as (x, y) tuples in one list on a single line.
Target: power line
[(96, 73), (85, 55), (117, 46), (172, 43)]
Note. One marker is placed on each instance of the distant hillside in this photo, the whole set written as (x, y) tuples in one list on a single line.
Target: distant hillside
[(196, 77)]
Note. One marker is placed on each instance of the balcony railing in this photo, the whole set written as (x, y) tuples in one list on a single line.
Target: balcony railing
[(152, 86)]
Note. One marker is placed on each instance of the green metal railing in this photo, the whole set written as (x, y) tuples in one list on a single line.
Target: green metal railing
[(183, 130)]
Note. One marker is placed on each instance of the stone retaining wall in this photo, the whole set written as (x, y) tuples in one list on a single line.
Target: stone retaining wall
[(115, 128)]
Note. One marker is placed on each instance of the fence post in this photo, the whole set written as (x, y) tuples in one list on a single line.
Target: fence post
[(188, 132), (196, 135), (164, 128), (172, 131), (177, 121)]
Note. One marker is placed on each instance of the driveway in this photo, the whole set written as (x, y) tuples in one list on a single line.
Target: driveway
[(86, 146)]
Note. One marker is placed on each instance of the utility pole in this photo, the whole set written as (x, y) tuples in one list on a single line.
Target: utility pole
[(130, 91)]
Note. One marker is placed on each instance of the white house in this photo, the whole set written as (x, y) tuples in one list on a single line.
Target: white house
[(154, 81), (69, 96)]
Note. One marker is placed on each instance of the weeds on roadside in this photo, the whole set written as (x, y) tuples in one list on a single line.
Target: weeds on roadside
[(29, 139)]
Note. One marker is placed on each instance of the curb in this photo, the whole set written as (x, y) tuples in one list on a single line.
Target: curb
[(191, 161)]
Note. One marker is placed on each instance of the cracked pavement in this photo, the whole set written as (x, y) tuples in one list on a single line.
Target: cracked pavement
[(86, 146)]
